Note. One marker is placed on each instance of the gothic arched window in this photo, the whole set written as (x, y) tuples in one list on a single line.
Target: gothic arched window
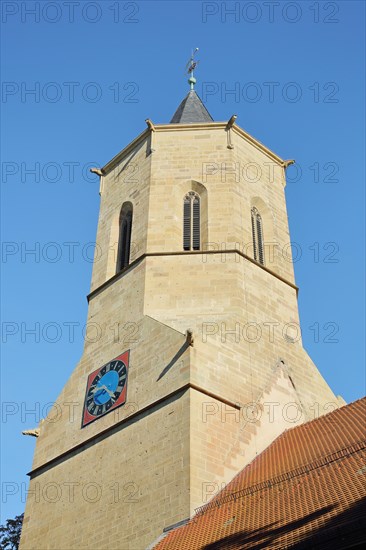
[(124, 241), (191, 221), (257, 232)]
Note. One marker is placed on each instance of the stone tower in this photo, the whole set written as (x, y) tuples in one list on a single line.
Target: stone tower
[(193, 361)]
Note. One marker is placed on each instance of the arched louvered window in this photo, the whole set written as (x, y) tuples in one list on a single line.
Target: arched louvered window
[(124, 242), (191, 221), (257, 232)]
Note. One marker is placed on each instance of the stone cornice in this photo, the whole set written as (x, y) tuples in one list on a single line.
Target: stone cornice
[(250, 139), (141, 258), (126, 151), (110, 430), (189, 127)]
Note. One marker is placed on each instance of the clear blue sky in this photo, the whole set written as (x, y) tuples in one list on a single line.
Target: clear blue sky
[(311, 52)]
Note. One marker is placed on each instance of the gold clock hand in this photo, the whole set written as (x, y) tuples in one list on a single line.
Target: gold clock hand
[(110, 393)]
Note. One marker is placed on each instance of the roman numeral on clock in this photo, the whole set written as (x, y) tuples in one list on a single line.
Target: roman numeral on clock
[(92, 409)]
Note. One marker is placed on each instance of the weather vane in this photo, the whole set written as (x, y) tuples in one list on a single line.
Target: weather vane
[(190, 67)]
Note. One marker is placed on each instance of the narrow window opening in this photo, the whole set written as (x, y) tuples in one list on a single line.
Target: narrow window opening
[(191, 222), (187, 223), (124, 242), (257, 233)]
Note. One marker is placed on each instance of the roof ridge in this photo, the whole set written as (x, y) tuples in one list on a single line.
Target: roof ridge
[(319, 418), (285, 433), (319, 462)]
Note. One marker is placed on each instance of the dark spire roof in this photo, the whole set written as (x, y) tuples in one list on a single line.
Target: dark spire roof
[(191, 110)]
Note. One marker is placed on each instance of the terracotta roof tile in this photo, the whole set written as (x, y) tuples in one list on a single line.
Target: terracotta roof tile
[(306, 490)]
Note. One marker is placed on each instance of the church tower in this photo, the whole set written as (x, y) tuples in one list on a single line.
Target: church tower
[(193, 361)]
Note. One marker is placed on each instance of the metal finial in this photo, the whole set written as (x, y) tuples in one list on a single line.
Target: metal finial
[(191, 65)]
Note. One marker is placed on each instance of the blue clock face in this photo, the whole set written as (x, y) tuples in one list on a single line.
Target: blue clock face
[(106, 388)]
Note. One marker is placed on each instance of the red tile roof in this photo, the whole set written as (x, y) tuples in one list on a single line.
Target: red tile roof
[(306, 490)]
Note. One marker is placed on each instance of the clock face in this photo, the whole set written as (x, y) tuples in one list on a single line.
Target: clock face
[(106, 388)]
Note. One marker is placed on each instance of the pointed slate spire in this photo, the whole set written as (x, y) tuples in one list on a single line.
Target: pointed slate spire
[(191, 110)]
